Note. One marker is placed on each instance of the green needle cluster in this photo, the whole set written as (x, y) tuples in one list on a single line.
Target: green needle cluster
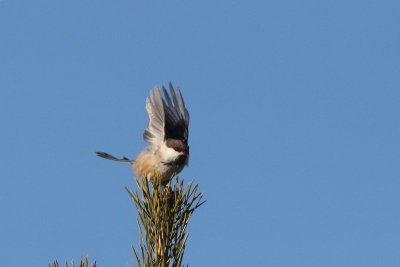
[(164, 214), (82, 263)]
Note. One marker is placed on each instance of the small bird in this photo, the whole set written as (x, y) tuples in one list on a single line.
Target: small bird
[(167, 134)]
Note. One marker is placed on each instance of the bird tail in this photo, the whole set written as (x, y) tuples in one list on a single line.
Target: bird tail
[(109, 157)]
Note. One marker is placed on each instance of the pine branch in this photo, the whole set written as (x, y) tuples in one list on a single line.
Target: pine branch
[(164, 214), (82, 263)]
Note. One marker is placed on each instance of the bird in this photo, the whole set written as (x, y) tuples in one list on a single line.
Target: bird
[(167, 134)]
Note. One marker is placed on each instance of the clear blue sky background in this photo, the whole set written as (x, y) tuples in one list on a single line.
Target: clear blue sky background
[(294, 132)]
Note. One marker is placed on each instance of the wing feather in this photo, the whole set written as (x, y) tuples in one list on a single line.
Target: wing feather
[(168, 116), (154, 134), (177, 116)]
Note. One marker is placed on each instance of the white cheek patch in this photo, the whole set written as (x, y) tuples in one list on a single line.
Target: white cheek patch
[(168, 154)]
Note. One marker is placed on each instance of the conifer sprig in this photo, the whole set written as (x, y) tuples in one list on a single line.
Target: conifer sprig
[(82, 263), (164, 214)]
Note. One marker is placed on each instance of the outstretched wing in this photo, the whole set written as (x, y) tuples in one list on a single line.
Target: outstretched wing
[(168, 116), (176, 115), (154, 134)]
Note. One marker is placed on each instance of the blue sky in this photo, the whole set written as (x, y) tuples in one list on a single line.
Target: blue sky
[(294, 130)]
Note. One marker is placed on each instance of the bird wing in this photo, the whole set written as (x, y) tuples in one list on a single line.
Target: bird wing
[(168, 116), (176, 115), (154, 134)]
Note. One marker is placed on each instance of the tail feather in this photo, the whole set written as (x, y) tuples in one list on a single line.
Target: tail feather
[(109, 157)]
